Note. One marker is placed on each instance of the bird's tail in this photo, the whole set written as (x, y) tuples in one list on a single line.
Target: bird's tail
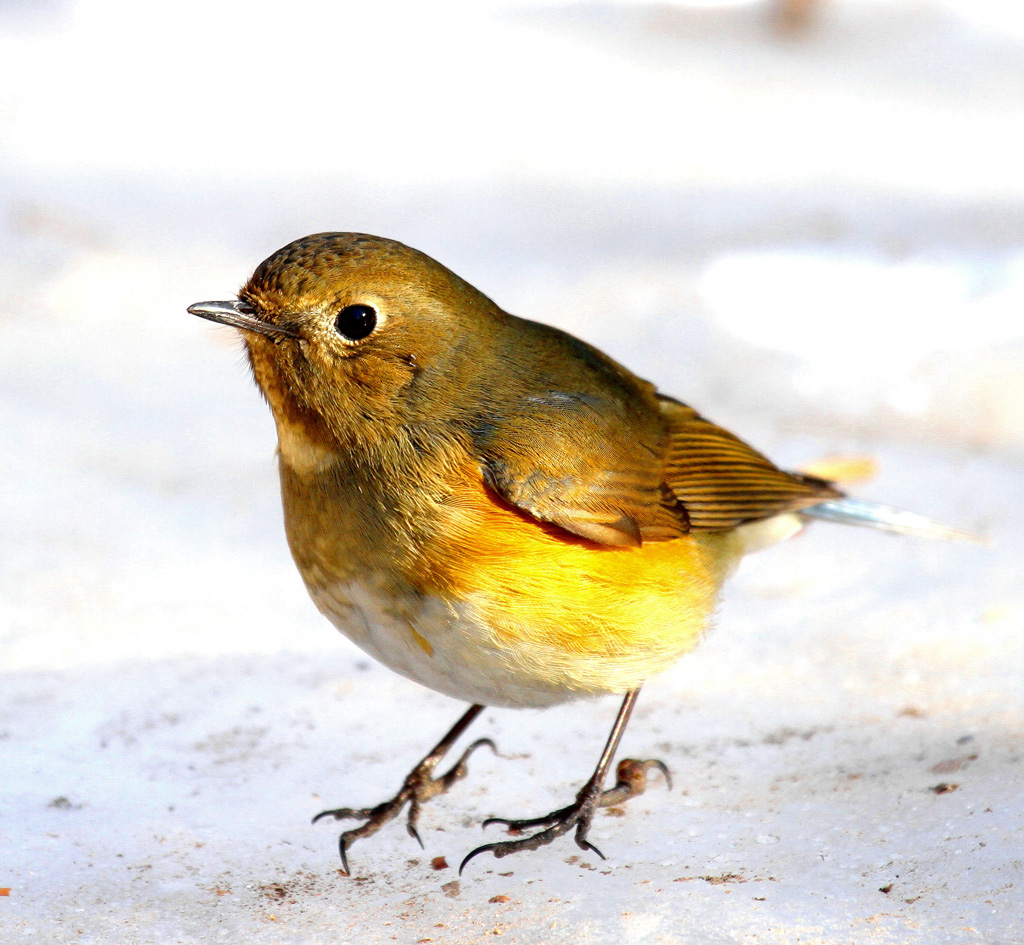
[(848, 511)]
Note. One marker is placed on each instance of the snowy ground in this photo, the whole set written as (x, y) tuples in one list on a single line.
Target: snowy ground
[(816, 239)]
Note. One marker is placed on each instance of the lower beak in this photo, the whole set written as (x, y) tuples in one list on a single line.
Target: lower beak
[(239, 315)]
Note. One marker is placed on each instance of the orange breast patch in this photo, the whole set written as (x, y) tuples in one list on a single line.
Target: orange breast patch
[(535, 583)]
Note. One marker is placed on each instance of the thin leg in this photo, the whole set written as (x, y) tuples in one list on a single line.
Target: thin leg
[(418, 788), (632, 776)]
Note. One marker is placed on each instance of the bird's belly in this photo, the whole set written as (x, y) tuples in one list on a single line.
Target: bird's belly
[(524, 639), (445, 646)]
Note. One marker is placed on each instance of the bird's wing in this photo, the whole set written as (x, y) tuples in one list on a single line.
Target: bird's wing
[(590, 464), (620, 473), (721, 481)]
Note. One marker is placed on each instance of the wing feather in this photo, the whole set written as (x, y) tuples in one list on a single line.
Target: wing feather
[(721, 481)]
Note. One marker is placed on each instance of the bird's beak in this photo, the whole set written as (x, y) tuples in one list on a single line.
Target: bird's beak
[(239, 315)]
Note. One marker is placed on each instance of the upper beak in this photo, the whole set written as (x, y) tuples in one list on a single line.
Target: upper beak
[(239, 315)]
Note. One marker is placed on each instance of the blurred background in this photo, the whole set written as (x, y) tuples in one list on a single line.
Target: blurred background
[(804, 217), (808, 209)]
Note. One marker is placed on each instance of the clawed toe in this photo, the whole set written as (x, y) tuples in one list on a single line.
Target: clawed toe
[(514, 826), (631, 780), (344, 813)]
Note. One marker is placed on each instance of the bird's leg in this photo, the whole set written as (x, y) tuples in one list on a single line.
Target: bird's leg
[(419, 786), (632, 779)]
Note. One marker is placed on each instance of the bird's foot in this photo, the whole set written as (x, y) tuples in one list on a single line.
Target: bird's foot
[(419, 787), (631, 780)]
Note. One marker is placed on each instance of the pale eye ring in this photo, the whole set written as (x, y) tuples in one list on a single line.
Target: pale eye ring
[(356, 322)]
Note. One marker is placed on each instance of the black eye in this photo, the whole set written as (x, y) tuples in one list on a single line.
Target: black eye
[(355, 322)]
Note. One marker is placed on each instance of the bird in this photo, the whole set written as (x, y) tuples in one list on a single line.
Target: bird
[(496, 509)]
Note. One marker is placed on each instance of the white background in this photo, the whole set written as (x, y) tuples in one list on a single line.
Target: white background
[(816, 238)]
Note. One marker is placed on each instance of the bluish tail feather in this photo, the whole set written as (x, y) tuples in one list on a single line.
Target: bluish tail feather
[(873, 515)]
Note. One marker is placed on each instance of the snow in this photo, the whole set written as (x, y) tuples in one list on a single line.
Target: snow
[(816, 239)]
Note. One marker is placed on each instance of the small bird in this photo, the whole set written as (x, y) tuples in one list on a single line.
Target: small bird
[(494, 508)]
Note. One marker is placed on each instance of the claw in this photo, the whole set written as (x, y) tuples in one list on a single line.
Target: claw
[(663, 768), (415, 834), (476, 852)]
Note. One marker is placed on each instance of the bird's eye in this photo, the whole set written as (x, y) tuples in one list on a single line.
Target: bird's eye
[(356, 322)]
